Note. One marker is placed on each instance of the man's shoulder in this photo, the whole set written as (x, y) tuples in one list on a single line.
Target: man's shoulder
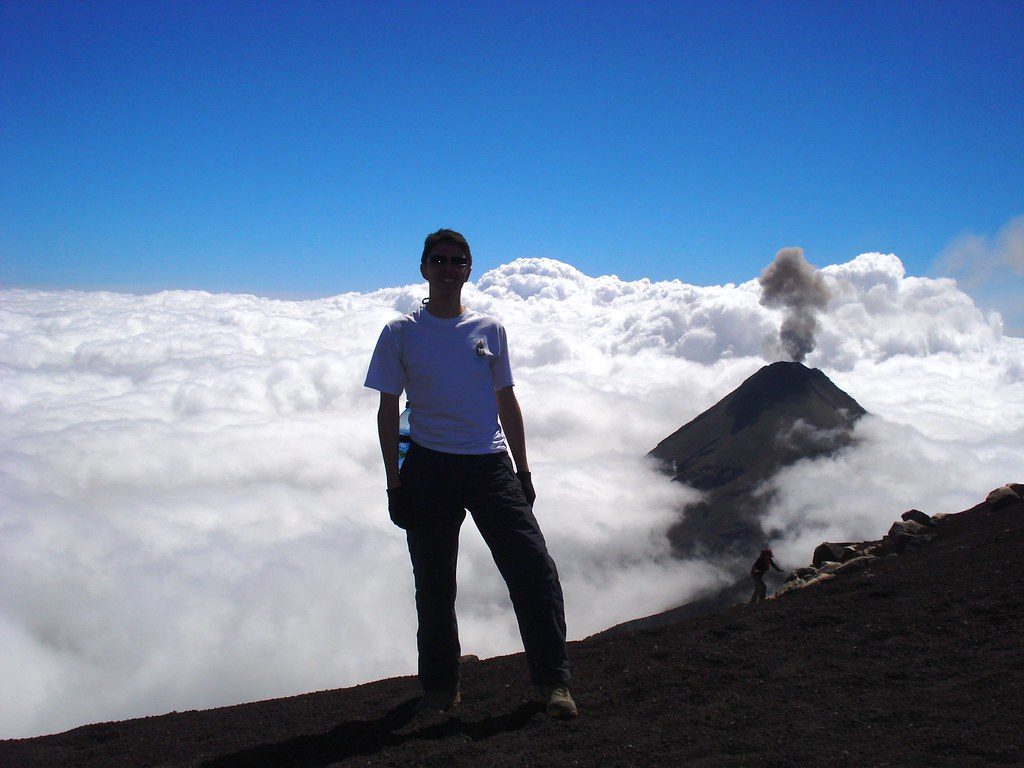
[(480, 319), (403, 321)]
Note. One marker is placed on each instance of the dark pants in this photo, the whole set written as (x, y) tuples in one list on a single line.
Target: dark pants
[(440, 487), (760, 588)]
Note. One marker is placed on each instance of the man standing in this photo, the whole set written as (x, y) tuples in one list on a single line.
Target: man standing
[(757, 572), (464, 420)]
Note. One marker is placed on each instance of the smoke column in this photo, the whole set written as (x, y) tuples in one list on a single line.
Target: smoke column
[(791, 283)]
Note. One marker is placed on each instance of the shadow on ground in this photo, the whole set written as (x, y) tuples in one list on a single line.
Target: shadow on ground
[(369, 737)]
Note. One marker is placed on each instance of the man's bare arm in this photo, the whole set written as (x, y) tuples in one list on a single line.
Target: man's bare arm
[(512, 424), (387, 433)]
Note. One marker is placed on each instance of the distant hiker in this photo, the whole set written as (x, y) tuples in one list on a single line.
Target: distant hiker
[(453, 365), (757, 572)]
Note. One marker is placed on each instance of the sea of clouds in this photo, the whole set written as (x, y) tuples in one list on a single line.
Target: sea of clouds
[(193, 510)]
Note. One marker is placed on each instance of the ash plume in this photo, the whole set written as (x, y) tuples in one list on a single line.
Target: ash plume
[(792, 284)]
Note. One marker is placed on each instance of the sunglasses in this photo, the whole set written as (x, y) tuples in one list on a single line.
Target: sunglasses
[(441, 260)]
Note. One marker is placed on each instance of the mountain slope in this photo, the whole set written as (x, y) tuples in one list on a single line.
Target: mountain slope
[(916, 661), (783, 413)]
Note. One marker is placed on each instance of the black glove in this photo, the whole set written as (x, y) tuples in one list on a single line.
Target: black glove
[(527, 483), (398, 508)]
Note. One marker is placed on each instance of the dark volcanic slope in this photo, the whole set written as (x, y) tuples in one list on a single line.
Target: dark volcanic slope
[(783, 413), (916, 662)]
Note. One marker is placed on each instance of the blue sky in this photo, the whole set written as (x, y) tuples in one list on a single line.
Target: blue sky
[(304, 149)]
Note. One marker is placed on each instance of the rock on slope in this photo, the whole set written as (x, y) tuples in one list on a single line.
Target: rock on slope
[(916, 661)]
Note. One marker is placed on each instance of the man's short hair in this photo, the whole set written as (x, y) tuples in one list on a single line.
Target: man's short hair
[(445, 236)]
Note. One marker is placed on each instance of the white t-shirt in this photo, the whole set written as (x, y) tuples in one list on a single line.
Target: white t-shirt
[(450, 370)]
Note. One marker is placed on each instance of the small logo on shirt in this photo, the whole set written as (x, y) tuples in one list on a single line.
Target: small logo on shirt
[(482, 350)]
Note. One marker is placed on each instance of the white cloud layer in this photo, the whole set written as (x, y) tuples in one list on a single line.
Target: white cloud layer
[(193, 507)]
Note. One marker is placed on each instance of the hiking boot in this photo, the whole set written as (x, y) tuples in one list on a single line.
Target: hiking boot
[(558, 701), (436, 703)]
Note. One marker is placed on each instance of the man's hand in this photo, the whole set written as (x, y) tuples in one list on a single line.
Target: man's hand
[(398, 508), (527, 482)]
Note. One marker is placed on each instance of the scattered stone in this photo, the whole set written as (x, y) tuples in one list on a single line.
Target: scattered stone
[(913, 530), (898, 542), (857, 564), (907, 526), (806, 572), (917, 516), (789, 586), (828, 551), (818, 579), (1003, 496), (850, 553)]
